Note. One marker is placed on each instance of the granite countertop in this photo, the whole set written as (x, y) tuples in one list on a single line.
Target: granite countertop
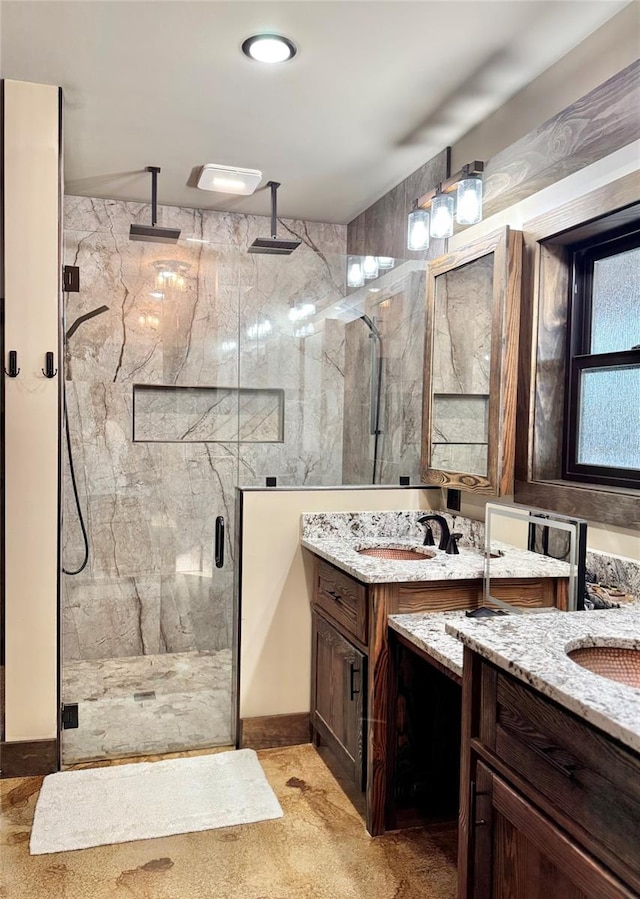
[(533, 648), (426, 630), (342, 551)]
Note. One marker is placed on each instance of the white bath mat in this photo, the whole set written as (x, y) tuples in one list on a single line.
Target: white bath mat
[(99, 806)]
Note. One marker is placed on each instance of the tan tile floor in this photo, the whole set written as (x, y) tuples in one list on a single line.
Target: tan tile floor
[(319, 850)]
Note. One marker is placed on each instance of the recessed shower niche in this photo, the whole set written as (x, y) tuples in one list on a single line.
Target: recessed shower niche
[(171, 414)]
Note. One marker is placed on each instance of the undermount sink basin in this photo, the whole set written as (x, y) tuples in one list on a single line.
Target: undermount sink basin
[(397, 555), (613, 662)]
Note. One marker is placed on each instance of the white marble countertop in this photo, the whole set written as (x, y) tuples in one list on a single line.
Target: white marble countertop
[(342, 551), (534, 649)]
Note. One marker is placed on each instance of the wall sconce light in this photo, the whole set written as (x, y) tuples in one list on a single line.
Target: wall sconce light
[(418, 229), (370, 267), (355, 275), (460, 196)]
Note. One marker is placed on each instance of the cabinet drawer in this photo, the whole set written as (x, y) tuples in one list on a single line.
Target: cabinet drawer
[(589, 778), (343, 598)]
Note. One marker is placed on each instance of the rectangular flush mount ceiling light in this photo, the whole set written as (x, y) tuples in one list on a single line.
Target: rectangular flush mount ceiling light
[(227, 179)]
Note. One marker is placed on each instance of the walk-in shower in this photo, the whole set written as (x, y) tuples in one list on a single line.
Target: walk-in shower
[(185, 377)]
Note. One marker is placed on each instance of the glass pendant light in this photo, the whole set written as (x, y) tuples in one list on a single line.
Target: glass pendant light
[(469, 204), (385, 262), (418, 230), (442, 209), (370, 267), (355, 275)]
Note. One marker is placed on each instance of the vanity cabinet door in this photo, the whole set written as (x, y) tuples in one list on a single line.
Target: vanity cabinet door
[(520, 854), (338, 685)]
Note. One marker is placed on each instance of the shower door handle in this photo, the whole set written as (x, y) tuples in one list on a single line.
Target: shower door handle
[(219, 545)]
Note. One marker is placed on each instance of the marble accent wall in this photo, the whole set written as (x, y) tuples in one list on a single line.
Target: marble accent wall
[(461, 367), (150, 585), (399, 317), (381, 230)]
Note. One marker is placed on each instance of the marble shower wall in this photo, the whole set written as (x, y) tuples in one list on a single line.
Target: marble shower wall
[(400, 316), (150, 585), (461, 367)]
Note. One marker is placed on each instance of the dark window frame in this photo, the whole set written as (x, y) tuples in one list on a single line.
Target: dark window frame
[(583, 255)]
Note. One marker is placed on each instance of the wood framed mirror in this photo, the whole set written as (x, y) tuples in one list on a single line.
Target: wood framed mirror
[(470, 368)]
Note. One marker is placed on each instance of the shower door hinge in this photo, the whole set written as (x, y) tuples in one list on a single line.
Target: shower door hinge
[(71, 278), (69, 715)]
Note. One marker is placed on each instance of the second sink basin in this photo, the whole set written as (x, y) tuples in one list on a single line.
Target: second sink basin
[(613, 662), (396, 555)]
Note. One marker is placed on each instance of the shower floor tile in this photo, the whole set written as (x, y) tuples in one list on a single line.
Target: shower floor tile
[(145, 705)]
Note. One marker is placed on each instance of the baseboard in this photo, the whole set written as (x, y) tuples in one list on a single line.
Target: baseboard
[(272, 731), (28, 758)]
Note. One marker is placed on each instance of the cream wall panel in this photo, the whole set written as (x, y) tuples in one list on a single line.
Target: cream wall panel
[(32, 274), (275, 641)]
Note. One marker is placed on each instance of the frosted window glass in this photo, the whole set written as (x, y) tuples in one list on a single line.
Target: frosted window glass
[(609, 423), (615, 317)]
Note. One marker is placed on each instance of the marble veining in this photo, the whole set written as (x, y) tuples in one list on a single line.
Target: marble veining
[(148, 704), (534, 649), (607, 568), (316, 525)]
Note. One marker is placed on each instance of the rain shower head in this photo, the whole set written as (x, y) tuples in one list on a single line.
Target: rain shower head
[(153, 233), (274, 246)]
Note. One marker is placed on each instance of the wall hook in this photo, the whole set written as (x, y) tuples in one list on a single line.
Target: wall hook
[(48, 371), (14, 371)]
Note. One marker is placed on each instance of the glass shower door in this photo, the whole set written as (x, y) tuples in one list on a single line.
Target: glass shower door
[(154, 425)]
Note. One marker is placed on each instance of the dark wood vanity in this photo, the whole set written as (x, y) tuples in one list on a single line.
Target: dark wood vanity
[(353, 678), (549, 806)]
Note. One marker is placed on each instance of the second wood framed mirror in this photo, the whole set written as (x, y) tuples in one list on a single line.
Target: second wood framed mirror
[(470, 369)]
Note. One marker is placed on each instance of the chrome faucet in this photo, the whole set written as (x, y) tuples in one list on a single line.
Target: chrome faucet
[(448, 541)]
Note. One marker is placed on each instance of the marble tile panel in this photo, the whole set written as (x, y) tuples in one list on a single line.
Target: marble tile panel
[(199, 414), (112, 616), (144, 705), (607, 568), (196, 611), (466, 457), (460, 419), (462, 328)]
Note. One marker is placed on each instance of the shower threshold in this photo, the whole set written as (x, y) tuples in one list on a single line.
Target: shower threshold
[(148, 705)]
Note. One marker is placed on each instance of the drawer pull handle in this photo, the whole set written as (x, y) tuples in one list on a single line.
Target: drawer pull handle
[(352, 674), (334, 595), (473, 798)]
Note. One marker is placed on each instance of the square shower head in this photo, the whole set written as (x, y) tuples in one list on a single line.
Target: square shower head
[(154, 234)]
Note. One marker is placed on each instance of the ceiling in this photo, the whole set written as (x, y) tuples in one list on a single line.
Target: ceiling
[(377, 88)]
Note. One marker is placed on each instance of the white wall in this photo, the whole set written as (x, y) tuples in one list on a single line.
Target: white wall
[(621, 541), (275, 641)]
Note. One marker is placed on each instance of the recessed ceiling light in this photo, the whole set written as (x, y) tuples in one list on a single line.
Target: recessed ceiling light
[(269, 48), (226, 179)]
